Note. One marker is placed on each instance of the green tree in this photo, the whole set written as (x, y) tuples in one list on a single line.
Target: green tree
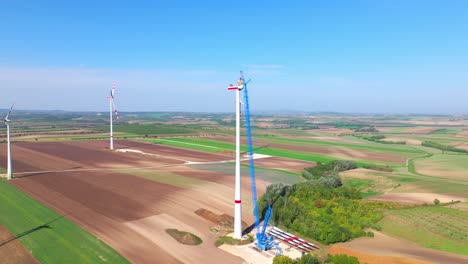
[(282, 260), (436, 201), (308, 259), (342, 259)]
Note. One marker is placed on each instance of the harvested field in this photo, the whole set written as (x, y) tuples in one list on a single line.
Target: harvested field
[(462, 146), (419, 130), (446, 166), (333, 131), (371, 258), (408, 141), (129, 213), (461, 206), (12, 250), (384, 245), (77, 155), (464, 133), (416, 198)]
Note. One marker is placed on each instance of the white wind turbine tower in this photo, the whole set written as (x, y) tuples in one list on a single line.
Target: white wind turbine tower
[(7, 123), (237, 188), (112, 108)]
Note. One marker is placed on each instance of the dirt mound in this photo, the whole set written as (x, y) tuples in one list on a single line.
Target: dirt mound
[(372, 259), (222, 220), (183, 237)]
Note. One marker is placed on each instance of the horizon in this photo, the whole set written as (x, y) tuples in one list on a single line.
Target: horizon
[(284, 112), (390, 57)]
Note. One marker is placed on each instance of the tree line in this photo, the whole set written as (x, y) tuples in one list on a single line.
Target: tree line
[(322, 208)]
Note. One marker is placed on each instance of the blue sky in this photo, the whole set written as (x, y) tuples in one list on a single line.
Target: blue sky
[(364, 56)]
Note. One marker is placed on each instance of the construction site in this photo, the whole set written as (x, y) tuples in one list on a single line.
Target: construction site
[(128, 193)]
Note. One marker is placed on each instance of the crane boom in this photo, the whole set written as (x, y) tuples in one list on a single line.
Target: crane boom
[(264, 242)]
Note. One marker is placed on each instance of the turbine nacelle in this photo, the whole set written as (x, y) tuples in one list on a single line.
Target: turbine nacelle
[(112, 92)]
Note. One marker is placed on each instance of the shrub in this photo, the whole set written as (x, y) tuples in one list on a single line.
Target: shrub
[(282, 260), (308, 259), (436, 201), (445, 148), (342, 259)]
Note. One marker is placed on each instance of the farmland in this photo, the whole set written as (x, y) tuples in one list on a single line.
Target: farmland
[(169, 165), (42, 230), (447, 166), (85, 168), (304, 149), (434, 227)]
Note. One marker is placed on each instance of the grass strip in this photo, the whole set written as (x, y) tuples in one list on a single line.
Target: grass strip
[(49, 236)]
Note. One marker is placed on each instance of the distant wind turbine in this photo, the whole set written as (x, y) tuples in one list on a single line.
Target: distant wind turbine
[(112, 108), (7, 123)]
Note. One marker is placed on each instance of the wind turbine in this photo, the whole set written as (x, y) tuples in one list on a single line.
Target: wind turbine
[(237, 190), (7, 123), (112, 108)]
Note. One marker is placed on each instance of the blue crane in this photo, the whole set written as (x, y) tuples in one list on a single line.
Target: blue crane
[(264, 241)]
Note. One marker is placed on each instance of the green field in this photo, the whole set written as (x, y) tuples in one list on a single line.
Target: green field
[(217, 146), (416, 183), (445, 131), (49, 236), (434, 227)]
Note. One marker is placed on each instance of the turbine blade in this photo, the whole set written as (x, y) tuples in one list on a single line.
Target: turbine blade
[(9, 112), (115, 110)]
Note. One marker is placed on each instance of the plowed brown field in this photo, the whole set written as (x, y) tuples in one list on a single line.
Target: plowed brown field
[(12, 250), (386, 249), (129, 213), (282, 164)]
